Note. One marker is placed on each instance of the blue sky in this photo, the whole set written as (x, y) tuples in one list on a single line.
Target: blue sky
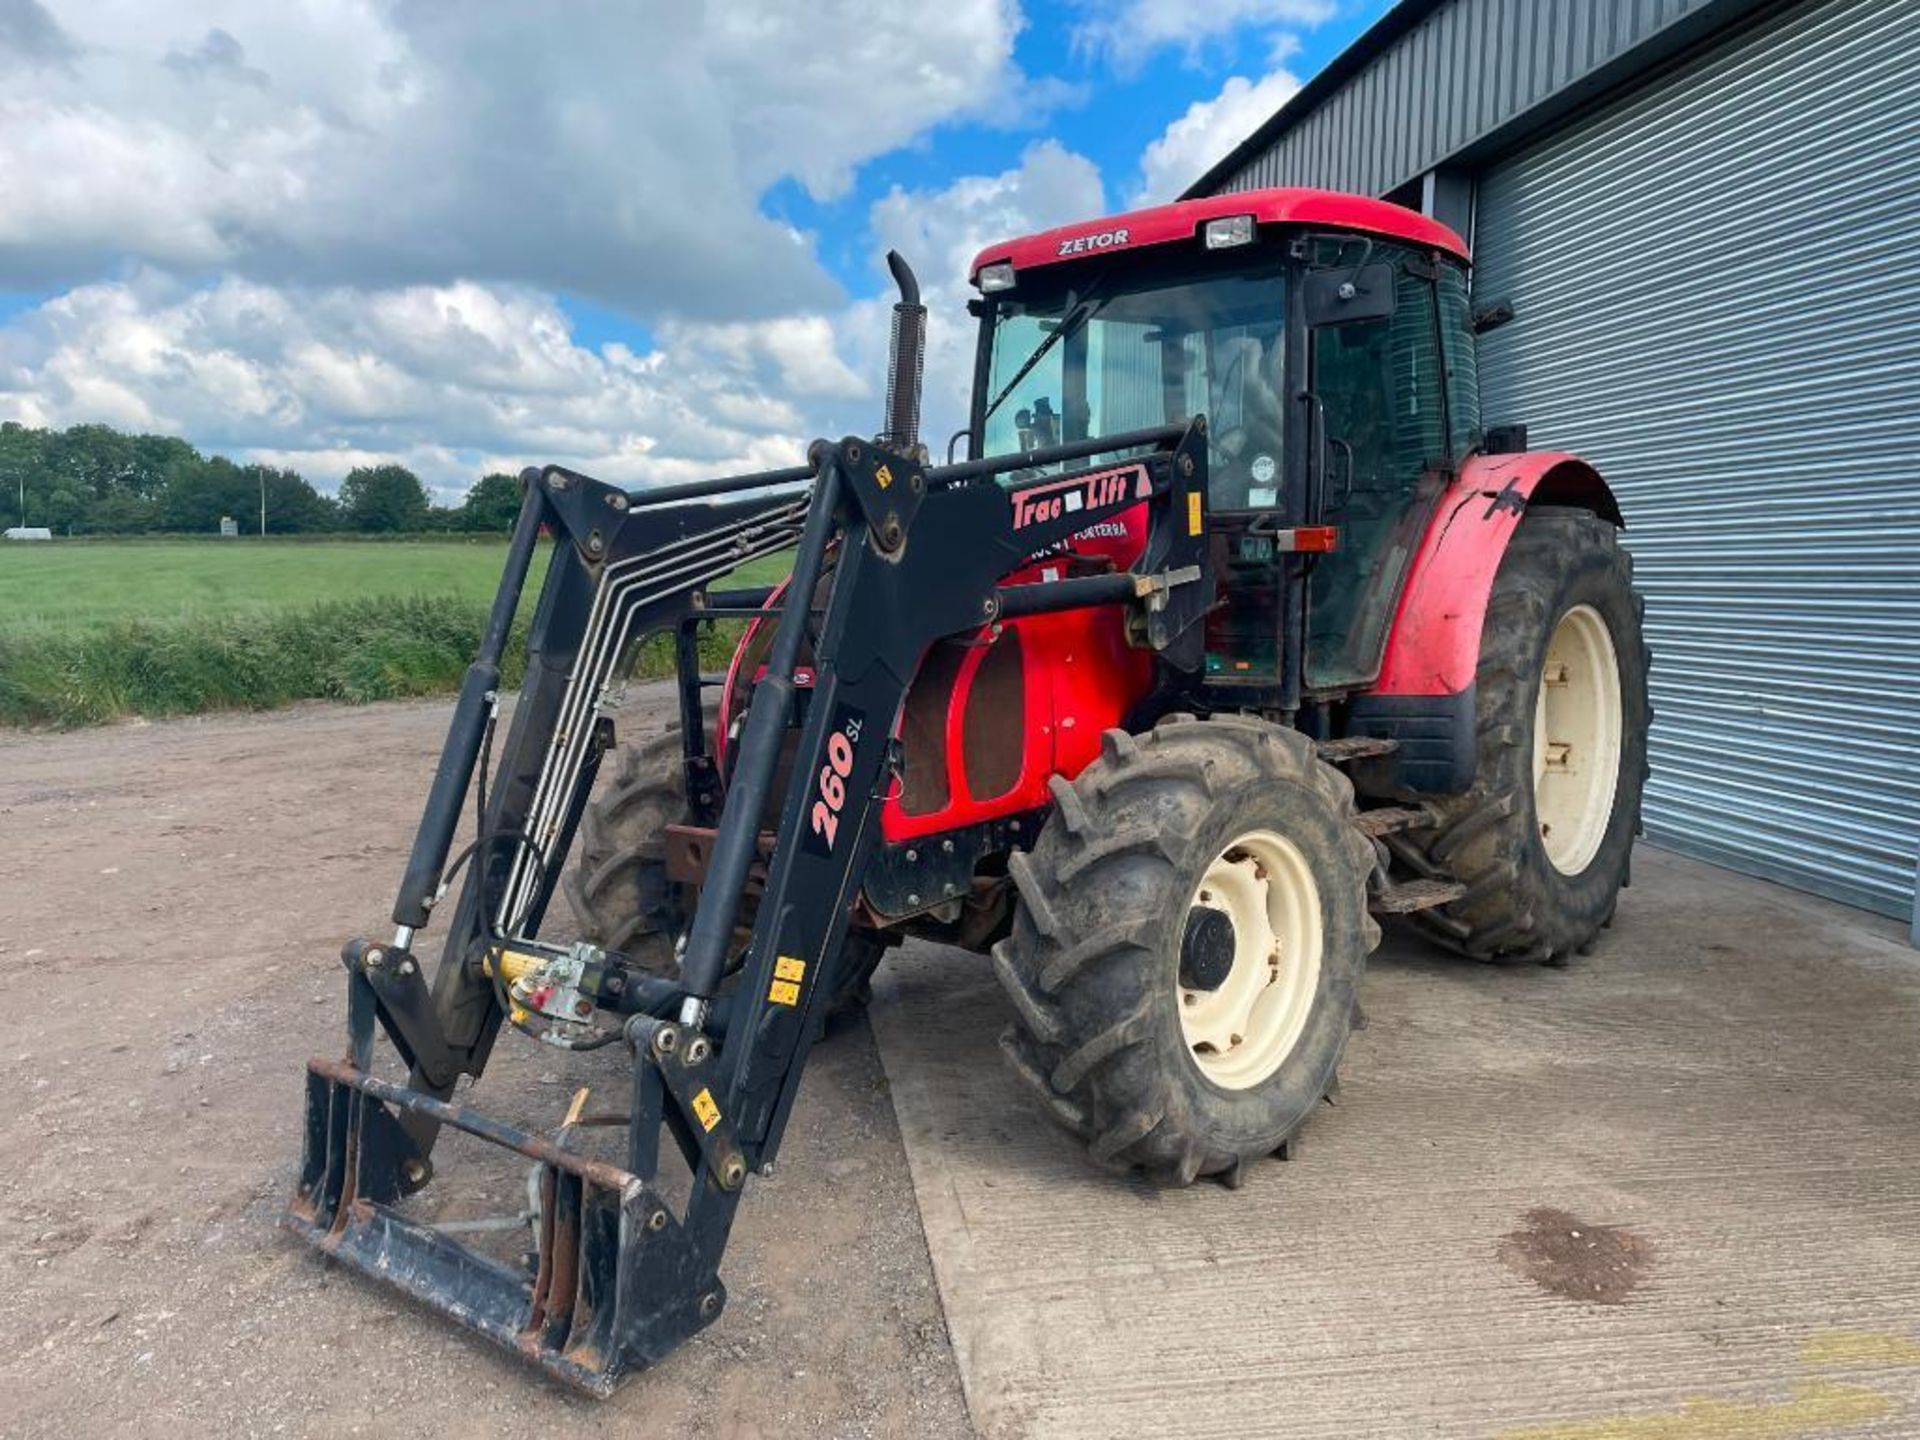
[(644, 240), (1115, 116)]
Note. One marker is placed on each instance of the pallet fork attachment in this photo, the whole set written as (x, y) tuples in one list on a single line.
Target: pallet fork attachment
[(910, 555)]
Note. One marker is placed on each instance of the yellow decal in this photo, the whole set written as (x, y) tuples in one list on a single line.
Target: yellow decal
[(1193, 512), (883, 477), (705, 1110), (787, 975)]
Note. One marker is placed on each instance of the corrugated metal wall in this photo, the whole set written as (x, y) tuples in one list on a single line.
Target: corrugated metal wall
[(1465, 70), (1717, 285)]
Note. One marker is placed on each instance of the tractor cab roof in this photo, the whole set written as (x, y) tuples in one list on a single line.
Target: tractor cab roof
[(1182, 221)]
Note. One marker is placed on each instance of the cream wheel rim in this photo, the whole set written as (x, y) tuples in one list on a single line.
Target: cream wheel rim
[(1577, 724), (1240, 1032)]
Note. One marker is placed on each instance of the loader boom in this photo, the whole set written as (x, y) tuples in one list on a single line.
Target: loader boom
[(917, 554)]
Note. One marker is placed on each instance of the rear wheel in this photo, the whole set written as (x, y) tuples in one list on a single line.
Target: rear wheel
[(1543, 839), (1188, 945)]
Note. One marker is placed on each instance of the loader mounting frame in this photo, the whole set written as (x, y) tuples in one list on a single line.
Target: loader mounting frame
[(917, 555)]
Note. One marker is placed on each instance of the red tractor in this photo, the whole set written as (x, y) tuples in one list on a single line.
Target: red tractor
[(1235, 629)]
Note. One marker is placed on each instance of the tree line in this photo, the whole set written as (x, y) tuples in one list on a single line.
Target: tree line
[(95, 480)]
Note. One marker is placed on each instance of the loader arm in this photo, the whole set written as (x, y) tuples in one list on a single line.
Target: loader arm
[(622, 1275)]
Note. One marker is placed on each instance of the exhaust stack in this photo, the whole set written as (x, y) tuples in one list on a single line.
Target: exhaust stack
[(907, 362)]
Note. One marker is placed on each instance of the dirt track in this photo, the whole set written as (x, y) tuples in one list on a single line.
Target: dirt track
[(172, 902)]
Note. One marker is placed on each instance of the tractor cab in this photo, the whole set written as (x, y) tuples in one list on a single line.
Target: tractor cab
[(1325, 339)]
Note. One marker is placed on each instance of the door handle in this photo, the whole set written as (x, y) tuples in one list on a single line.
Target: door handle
[(1343, 447)]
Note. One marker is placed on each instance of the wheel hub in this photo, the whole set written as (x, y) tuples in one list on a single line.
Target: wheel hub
[(1206, 952), (1249, 964)]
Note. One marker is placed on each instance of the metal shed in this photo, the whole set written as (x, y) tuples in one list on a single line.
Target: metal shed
[(1703, 212)]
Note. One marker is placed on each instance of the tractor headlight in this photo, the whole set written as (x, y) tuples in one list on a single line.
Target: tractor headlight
[(1229, 231), (996, 277)]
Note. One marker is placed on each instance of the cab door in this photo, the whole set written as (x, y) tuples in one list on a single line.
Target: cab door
[(1377, 387)]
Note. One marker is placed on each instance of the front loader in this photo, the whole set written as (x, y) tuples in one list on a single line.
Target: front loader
[(1235, 631)]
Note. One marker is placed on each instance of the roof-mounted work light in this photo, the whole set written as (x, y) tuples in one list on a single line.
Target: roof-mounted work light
[(1229, 231), (996, 277)]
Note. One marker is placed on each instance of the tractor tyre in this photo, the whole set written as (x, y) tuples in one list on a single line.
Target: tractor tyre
[(619, 887), (1187, 946), (1543, 839)]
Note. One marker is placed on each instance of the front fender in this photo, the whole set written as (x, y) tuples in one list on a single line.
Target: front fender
[(1434, 646)]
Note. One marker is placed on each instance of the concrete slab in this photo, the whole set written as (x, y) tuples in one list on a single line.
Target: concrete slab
[(1723, 1101)]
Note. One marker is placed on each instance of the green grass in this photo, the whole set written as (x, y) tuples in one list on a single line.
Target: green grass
[(99, 631), (94, 582)]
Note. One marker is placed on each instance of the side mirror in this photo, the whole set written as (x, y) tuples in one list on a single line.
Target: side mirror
[(1350, 295), (1492, 316)]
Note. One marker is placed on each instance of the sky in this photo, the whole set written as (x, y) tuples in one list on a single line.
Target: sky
[(643, 238)]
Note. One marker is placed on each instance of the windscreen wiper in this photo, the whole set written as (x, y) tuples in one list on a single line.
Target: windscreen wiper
[(1083, 311)]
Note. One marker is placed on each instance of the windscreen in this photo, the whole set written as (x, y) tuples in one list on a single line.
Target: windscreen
[(1077, 363)]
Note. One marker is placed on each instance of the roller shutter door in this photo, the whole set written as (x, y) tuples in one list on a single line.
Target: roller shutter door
[(1717, 287)]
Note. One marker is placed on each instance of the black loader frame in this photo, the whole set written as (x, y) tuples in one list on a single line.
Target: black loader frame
[(891, 557)]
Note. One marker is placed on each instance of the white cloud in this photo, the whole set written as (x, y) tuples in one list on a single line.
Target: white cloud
[(1208, 130), (620, 155), (458, 378), (332, 234), (1128, 32), (449, 379)]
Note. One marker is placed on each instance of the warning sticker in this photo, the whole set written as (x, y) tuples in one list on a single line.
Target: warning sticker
[(1193, 512), (705, 1111), (788, 972)]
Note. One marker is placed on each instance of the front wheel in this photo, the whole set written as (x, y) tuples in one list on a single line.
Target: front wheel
[(1188, 944), (1543, 838)]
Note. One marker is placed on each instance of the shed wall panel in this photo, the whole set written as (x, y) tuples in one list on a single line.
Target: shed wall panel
[(1716, 301)]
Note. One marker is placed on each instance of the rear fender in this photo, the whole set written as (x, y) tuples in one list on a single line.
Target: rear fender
[(1424, 699), (1434, 646)]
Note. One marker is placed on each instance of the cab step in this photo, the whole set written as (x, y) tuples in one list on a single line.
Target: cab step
[(1414, 895), (1391, 819), (1355, 747)]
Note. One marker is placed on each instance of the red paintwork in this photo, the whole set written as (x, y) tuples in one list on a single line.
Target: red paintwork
[(1434, 646), (1081, 677), (1181, 221)]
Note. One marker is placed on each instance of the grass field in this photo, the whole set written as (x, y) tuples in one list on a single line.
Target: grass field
[(85, 584), (99, 631)]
